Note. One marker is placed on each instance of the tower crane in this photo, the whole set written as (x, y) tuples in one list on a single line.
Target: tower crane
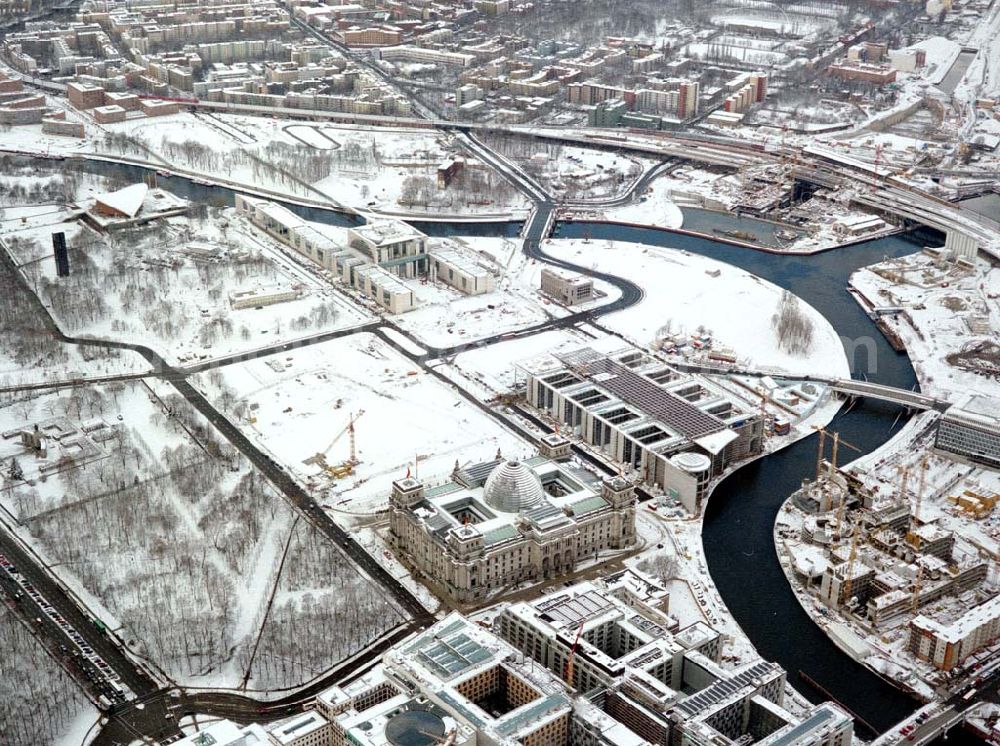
[(851, 559), (912, 537), (837, 442), (915, 599), (572, 652), (904, 475), (345, 468)]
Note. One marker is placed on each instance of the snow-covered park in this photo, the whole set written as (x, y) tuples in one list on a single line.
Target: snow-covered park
[(684, 292), (177, 542)]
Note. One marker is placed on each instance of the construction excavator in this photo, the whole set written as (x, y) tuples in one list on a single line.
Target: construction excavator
[(344, 468)]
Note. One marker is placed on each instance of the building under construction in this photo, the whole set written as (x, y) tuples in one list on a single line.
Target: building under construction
[(885, 559)]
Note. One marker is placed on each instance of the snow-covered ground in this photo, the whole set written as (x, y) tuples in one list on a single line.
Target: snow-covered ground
[(445, 318), (40, 702), (686, 291), (370, 169), (654, 208), (186, 539), (941, 54), (950, 311), (300, 404), (573, 173), (128, 285)]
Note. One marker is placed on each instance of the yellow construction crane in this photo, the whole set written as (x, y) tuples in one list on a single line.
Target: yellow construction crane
[(346, 467), (920, 485), (851, 559), (837, 442), (912, 537)]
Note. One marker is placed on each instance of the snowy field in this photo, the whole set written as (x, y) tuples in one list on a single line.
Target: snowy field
[(29, 354), (377, 169), (39, 701), (570, 172), (185, 538), (128, 285), (942, 302), (749, 55), (324, 610), (445, 318), (941, 54), (299, 404), (654, 208), (685, 292)]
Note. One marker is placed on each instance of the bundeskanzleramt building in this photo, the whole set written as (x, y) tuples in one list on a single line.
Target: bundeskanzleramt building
[(504, 522), (377, 258), (677, 431)]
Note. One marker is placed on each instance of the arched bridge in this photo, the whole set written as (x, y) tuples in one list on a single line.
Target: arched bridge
[(912, 399)]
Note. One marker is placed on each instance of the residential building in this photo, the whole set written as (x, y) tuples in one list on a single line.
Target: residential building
[(949, 644)]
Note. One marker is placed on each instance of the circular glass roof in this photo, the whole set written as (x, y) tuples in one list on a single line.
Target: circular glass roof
[(513, 488), (415, 728)]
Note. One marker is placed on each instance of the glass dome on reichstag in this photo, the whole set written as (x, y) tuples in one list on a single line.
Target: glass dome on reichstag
[(513, 488)]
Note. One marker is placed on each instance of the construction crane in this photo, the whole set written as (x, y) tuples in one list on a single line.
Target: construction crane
[(572, 652), (837, 442), (851, 559), (915, 600), (912, 537), (346, 467), (904, 475)]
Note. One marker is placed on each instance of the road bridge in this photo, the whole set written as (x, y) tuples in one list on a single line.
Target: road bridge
[(910, 399), (934, 720)]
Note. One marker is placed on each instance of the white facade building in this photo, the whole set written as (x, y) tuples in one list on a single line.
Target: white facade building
[(948, 645), (676, 431)]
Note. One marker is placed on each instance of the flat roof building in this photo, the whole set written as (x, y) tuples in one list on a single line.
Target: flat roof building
[(456, 682), (971, 430), (568, 288), (948, 645), (608, 639), (674, 430)]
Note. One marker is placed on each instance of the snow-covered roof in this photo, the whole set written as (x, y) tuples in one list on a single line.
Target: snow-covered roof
[(128, 201)]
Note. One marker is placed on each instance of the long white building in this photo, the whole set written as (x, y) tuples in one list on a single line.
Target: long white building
[(377, 258), (675, 431)]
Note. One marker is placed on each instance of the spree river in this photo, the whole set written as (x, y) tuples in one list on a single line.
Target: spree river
[(740, 515)]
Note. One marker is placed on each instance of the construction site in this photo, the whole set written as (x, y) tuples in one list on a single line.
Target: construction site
[(882, 551)]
